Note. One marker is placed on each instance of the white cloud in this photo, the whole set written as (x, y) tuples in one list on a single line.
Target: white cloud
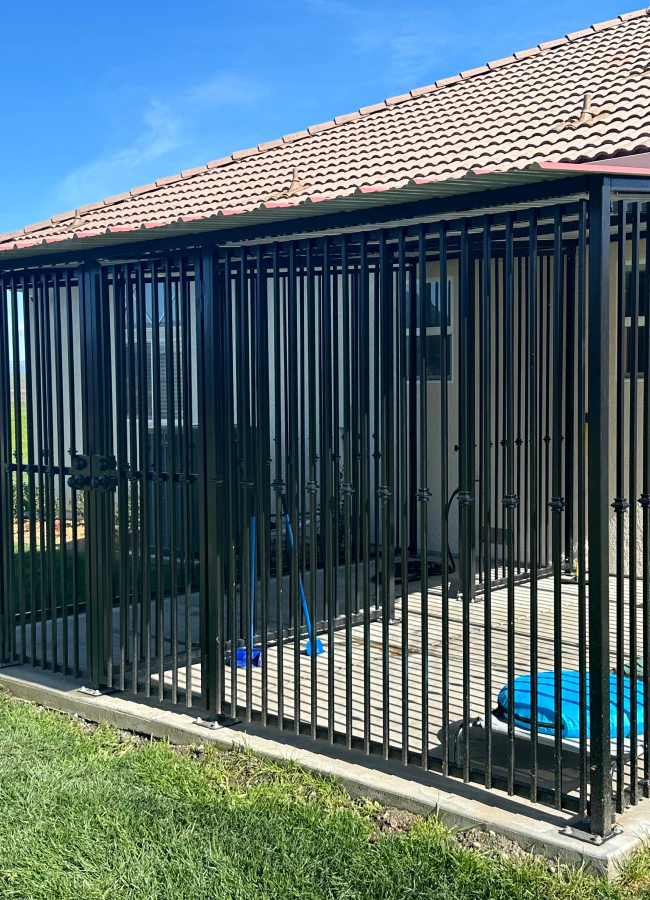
[(165, 126), (161, 133)]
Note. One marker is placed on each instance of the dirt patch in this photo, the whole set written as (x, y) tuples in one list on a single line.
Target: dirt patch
[(393, 821), (498, 846)]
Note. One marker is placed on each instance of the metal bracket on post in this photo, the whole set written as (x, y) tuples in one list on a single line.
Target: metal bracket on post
[(218, 722), (580, 828), (95, 692), (93, 473)]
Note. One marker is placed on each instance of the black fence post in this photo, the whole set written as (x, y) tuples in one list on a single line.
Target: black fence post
[(6, 478), (97, 447), (598, 384)]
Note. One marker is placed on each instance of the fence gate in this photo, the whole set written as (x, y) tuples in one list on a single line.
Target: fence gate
[(45, 541), (99, 401)]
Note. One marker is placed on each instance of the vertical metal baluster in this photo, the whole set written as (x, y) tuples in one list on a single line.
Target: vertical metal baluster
[(328, 374), (188, 306), (548, 365), (194, 311), (496, 444), (37, 289), (264, 462), (71, 331), (60, 452), (293, 468), (313, 311), (364, 427), (251, 400), (466, 495), (404, 426), (557, 502), (486, 485), (213, 358), (347, 487), (337, 364), (203, 297), (19, 355), (443, 312), (143, 421), (85, 314), (424, 493), (7, 551), (337, 368), (172, 466), (30, 353), (48, 467), (355, 325), (386, 490), (355, 288), (525, 392), (510, 500), (120, 398), (232, 469), (133, 475), (633, 369), (246, 504), (644, 501), (503, 400), (184, 525), (278, 483), (157, 461), (582, 499), (569, 438), (533, 513), (375, 434), (621, 506), (108, 518), (519, 394)]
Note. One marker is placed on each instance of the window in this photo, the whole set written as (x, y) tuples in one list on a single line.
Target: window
[(433, 336), (629, 332)]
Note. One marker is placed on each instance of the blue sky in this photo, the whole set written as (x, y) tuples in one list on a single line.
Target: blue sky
[(98, 98)]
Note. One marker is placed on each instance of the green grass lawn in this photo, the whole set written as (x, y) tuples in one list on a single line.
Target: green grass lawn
[(91, 813)]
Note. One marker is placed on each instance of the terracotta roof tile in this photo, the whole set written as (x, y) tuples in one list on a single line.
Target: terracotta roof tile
[(469, 73), (507, 114), (548, 45), (217, 163), (401, 98), (242, 154), (601, 26)]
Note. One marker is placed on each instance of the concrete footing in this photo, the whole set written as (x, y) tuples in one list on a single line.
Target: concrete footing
[(534, 827)]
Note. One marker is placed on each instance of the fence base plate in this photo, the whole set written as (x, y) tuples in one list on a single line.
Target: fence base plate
[(579, 828), (96, 692), (9, 665), (218, 722)]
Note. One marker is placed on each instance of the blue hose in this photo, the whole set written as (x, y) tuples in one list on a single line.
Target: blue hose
[(319, 644)]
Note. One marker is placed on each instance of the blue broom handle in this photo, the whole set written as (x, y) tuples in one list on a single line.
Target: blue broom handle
[(252, 581), (302, 590)]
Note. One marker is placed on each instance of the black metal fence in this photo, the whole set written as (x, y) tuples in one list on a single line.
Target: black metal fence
[(373, 444)]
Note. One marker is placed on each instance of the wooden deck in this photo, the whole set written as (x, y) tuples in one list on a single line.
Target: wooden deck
[(412, 686)]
